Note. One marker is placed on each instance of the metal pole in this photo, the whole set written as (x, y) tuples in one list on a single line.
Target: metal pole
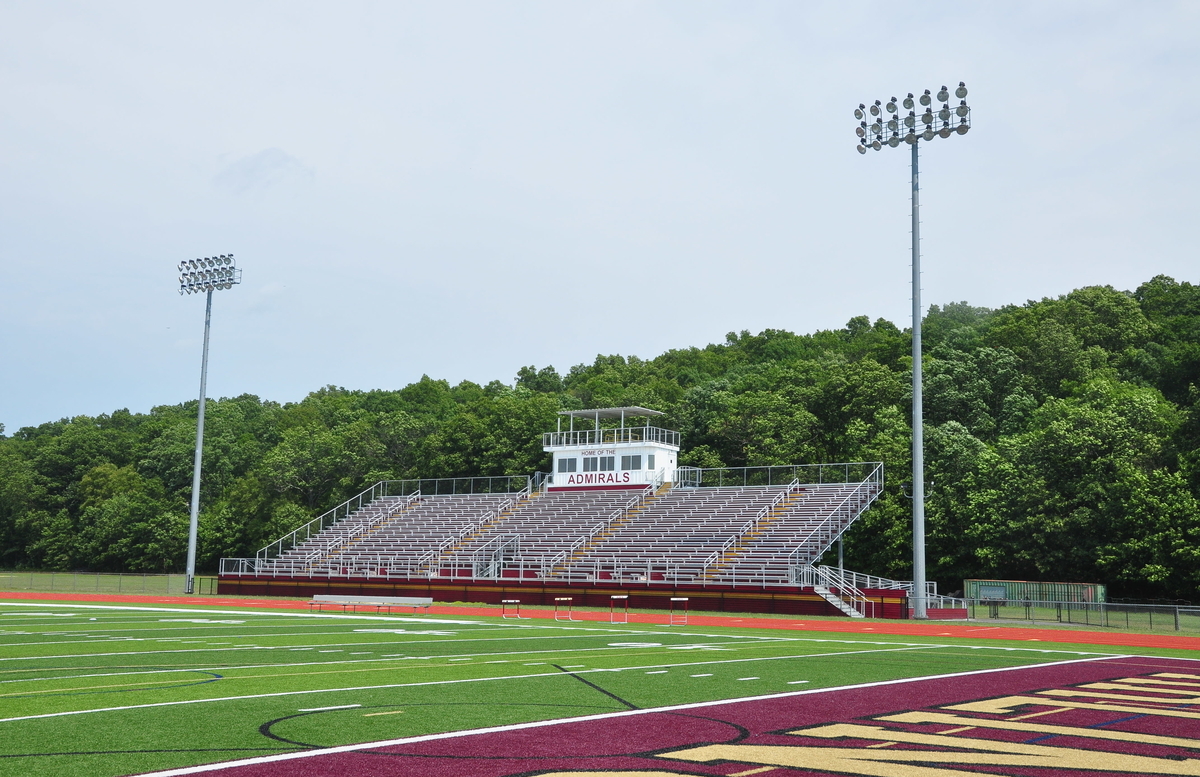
[(195, 516), (918, 441)]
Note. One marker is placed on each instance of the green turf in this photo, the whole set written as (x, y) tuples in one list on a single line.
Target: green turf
[(233, 683)]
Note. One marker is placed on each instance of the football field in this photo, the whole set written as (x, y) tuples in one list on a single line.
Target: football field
[(115, 689)]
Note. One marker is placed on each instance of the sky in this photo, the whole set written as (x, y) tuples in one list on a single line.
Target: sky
[(460, 189)]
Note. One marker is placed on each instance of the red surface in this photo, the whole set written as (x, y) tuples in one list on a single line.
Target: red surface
[(977, 630)]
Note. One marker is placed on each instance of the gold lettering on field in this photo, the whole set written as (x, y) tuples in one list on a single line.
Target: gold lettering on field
[(929, 763)]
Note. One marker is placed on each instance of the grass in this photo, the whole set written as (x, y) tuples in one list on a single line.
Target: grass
[(130, 689)]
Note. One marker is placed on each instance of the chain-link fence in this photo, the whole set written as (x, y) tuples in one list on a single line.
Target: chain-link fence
[(92, 582), (1135, 617)]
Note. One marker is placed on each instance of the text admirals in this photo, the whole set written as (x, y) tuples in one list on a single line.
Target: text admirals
[(588, 478)]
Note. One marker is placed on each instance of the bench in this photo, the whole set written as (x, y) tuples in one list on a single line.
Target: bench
[(380, 603)]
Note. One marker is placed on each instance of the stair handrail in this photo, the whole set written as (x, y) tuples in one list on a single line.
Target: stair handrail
[(874, 479), (342, 541), (831, 578), (862, 580), (718, 556)]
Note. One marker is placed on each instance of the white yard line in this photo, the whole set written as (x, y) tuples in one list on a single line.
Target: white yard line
[(483, 679)]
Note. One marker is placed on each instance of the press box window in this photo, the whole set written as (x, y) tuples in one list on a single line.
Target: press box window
[(567, 465), (649, 461), (608, 463), (631, 462), (589, 463)]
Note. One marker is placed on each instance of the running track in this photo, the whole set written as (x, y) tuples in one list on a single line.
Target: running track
[(899, 628)]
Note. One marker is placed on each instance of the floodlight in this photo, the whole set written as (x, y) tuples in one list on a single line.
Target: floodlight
[(876, 137)]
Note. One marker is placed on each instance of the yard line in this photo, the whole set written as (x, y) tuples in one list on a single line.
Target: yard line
[(660, 671), (797, 682), (452, 682), (748, 678), (325, 709)]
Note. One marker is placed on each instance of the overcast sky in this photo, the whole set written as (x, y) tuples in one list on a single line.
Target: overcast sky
[(462, 188)]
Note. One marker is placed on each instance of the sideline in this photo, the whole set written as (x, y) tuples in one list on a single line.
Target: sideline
[(970, 630)]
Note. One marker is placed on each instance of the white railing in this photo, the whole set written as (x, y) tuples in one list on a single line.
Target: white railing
[(493, 484), (336, 544), (842, 586), (859, 580), (611, 436), (838, 519)]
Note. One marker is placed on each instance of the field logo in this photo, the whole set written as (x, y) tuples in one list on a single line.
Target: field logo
[(1089, 728)]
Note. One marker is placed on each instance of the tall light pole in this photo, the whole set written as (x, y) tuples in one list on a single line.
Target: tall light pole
[(912, 129), (195, 276)]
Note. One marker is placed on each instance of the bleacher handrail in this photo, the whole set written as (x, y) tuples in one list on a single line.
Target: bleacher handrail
[(491, 484), (718, 556), (824, 535), (835, 581), (778, 475)]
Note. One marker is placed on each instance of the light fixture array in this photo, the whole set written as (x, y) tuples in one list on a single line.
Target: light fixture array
[(930, 124), (208, 274)]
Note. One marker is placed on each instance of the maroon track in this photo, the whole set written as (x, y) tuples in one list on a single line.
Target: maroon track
[(848, 626)]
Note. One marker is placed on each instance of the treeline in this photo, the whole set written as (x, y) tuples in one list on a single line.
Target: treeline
[(1062, 443)]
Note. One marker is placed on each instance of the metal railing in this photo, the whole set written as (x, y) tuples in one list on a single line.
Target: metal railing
[(839, 518), (501, 484), (841, 586), (859, 580), (1135, 617), (341, 541), (718, 556), (611, 436), (778, 475)]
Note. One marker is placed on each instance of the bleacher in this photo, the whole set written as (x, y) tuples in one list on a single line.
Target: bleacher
[(682, 535), (799, 536), (673, 538), (530, 539), (392, 536)]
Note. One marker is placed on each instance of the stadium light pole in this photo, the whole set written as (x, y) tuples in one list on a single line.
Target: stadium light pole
[(195, 276), (893, 130)]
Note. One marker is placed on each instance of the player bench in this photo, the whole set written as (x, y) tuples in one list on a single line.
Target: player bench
[(380, 603)]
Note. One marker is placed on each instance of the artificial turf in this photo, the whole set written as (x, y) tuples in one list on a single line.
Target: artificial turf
[(113, 690)]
